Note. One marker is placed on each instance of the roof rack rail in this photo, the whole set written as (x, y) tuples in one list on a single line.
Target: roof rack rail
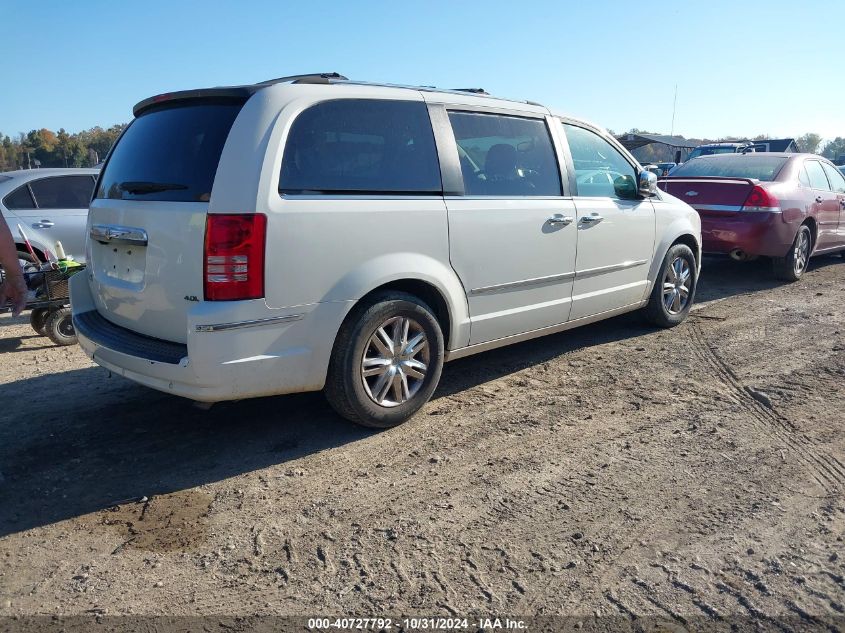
[(309, 78), (475, 91)]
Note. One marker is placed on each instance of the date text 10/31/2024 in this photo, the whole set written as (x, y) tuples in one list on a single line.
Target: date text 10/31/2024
[(417, 624)]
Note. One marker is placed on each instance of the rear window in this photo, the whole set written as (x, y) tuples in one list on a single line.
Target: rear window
[(63, 192), (361, 146), (169, 154), (711, 151), (763, 168)]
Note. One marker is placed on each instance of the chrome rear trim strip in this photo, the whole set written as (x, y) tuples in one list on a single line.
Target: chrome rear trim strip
[(733, 208), (221, 327), (716, 207)]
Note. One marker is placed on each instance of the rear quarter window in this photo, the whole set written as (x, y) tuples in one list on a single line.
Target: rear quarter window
[(63, 192), (361, 146), (20, 198), (170, 153), (762, 168)]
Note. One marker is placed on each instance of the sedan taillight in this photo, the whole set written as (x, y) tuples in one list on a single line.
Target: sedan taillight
[(233, 266), (760, 200)]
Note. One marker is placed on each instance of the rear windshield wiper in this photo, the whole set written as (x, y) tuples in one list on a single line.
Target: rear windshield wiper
[(143, 186)]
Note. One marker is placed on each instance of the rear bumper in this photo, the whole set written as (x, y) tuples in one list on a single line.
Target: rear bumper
[(258, 352), (756, 233)]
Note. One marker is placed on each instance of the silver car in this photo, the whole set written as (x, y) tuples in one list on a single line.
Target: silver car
[(50, 205)]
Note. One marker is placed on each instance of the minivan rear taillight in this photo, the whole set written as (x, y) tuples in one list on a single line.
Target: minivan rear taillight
[(233, 267), (760, 200)]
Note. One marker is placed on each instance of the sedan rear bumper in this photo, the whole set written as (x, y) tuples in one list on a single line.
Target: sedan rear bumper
[(755, 233)]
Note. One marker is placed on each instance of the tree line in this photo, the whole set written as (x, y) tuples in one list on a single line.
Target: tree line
[(809, 142), (45, 148)]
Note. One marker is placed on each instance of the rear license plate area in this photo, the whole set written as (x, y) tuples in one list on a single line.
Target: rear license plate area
[(121, 262)]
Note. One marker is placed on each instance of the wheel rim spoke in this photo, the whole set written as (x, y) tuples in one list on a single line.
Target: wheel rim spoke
[(375, 366), (383, 342), (415, 345), (414, 369)]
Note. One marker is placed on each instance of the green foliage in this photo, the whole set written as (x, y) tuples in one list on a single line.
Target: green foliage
[(57, 149), (809, 142), (835, 148)]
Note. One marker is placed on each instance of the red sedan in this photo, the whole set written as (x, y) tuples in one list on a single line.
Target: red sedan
[(784, 206)]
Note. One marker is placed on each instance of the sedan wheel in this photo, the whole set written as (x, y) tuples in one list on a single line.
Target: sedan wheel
[(802, 252), (794, 265)]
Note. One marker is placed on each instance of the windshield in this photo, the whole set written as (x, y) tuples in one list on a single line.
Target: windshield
[(754, 166), (169, 154), (710, 151)]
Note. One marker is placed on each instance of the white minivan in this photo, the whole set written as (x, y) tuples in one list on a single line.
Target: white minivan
[(312, 232)]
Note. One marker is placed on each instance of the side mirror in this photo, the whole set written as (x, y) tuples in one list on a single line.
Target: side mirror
[(625, 187), (647, 184)]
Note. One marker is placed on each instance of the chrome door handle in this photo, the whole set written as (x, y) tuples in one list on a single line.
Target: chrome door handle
[(44, 224), (563, 220), (591, 219), (113, 234)]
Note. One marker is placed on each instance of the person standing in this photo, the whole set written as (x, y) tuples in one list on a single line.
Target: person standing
[(13, 287)]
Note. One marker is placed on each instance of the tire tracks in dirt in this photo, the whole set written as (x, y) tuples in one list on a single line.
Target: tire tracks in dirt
[(825, 468)]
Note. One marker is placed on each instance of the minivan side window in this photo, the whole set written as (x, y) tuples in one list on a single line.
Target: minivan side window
[(817, 178), (361, 146), (837, 180), (20, 198), (63, 192), (599, 167), (505, 155)]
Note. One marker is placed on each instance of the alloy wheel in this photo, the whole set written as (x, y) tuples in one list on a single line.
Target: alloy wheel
[(676, 286), (802, 252), (395, 362)]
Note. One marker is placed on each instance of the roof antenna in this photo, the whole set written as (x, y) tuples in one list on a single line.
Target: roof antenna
[(674, 106)]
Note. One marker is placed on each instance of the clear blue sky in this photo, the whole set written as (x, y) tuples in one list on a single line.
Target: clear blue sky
[(742, 67)]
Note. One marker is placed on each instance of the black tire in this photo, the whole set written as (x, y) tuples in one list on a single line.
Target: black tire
[(351, 394), (793, 266), (657, 311), (59, 327), (38, 320)]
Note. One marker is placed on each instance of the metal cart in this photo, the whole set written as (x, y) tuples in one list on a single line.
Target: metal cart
[(49, 301)]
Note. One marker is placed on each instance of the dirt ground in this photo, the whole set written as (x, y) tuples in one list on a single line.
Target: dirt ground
[(695, 474)]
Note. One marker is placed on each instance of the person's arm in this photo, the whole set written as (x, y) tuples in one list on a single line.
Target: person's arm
[(14, 288)]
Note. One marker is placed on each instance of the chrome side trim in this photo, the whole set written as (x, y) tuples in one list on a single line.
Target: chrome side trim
[(733, 207), (601, 270), (221, 327), (716, 207), (526, 336), (114, 234), (720, 181), (536, 281)]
